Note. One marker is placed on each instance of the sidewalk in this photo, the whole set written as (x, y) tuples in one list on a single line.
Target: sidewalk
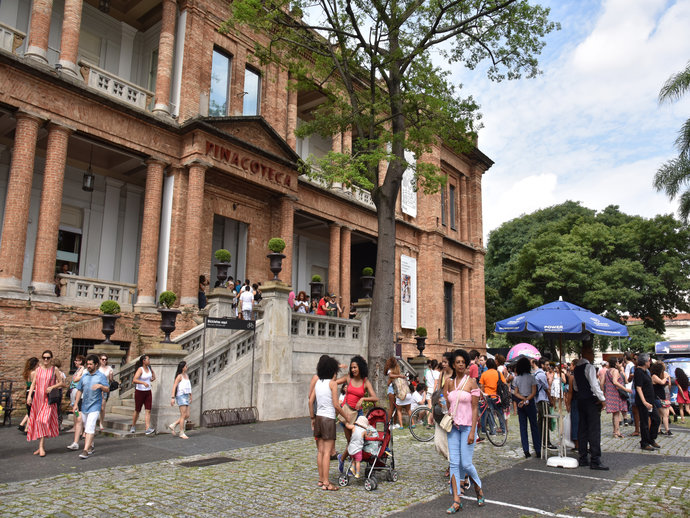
[(272, 472)]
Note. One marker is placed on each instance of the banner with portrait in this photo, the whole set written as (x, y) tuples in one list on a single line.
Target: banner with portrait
[(408, 292)]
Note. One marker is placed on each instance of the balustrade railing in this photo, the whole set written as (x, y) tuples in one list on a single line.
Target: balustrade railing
[(82, 291), (332, 328), (114, 86), (10, 38)]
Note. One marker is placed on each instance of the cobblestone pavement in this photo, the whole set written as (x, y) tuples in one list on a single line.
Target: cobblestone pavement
[(280, 480)]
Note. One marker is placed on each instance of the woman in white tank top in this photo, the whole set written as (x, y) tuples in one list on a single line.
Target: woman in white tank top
[(325, 395), (182, 395), (143, 377)]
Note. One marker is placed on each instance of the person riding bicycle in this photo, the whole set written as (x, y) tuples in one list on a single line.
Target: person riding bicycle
[(489, 386)]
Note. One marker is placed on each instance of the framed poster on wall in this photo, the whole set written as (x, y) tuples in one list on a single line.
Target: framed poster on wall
[(408, 292)]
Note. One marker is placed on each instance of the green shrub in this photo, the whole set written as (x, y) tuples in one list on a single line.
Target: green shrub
[(222, 255), (167, 299), (315, 278), (420, 331), (276, 245), (110, 307), (368, 271)]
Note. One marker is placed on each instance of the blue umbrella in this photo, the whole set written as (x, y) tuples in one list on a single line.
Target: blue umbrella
[(563, 319)]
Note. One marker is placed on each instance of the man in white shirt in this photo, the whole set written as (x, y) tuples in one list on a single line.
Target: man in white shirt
[(247, 302)]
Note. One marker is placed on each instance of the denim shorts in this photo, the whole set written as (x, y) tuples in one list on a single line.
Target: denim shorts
[(182, 400)]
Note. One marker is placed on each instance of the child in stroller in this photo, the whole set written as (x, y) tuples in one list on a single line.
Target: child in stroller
[(361, 429)]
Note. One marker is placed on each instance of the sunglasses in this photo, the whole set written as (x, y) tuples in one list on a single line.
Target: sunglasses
[(47, 357), (104, 359)]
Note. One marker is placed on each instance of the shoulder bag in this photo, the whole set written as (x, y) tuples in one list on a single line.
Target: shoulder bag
[(621, 393), (447, 421), (55, 395)]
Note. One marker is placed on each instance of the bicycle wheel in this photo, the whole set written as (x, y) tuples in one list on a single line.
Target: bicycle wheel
[(419, 424), (496, 422)]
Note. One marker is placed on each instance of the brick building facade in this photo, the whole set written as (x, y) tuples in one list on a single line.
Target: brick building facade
[(135, 140)]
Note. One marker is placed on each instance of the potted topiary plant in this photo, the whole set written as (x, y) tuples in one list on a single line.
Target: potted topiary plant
[(276, 246), (420, 336), (109, 315), (316, 291), (223, 263), (367, 280), (168, 315)]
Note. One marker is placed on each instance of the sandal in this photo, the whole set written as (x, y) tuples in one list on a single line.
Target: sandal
[(329, 487), (480, 499), (454, 508)]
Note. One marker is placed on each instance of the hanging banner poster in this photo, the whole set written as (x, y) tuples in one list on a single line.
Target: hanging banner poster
[(408, 292), (408, 195)]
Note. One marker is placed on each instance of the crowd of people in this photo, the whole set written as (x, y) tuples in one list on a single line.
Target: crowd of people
[(89, 387), (327, 305)]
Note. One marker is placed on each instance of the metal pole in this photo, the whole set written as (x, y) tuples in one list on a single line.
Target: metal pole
[(203, 370)]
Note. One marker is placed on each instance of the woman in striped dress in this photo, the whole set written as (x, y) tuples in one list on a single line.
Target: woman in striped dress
[(614, 404), (43, 421)]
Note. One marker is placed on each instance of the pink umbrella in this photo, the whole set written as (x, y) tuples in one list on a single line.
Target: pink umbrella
[(523, 349)]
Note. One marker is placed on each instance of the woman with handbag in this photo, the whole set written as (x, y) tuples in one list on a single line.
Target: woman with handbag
[(358, 386), (462, 394), (43, 421), (660, 380), (613, 392)]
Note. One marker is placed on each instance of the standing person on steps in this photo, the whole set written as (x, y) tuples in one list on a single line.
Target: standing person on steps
[(143, 377), (590, 402), (90, 388)]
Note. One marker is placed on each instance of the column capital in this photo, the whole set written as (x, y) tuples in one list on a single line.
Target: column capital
[(334, 224), (59, 125), (155, 160), (198, 162), (27, 114)]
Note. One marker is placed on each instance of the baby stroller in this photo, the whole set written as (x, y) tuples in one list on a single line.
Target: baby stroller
[(377, 454)]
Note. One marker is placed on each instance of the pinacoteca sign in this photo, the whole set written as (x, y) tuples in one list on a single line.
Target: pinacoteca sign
[(251, 165)]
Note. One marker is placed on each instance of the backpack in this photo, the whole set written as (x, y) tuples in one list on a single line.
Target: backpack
[(401, 388), (503, 392)]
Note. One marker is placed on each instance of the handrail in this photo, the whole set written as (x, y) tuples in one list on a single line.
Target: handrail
[(114, 86)]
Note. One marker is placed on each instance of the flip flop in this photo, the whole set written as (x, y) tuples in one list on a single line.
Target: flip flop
[(329, 487)]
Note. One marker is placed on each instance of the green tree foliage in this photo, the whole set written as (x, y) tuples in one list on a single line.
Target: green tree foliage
[(674, 176), (371, 64), (608, 262)]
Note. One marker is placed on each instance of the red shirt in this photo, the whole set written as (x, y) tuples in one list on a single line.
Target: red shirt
[(474, 371), (321, 308)]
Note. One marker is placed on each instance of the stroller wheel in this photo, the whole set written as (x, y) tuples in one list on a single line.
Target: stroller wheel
[(393, 475), (370, 484), (343, 480)]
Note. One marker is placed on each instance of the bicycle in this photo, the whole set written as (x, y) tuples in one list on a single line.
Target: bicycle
[(419, 424), (497, 434)]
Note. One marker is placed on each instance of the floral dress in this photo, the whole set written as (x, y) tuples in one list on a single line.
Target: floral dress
[(43, 421), (614, 403)]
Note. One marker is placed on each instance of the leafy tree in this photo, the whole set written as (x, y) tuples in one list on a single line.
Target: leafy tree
[(372, 63), (608, 262), (674, 176)]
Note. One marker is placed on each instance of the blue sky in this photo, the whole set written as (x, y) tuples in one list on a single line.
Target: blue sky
[(589, 128)]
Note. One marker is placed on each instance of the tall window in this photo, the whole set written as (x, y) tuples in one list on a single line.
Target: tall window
[(452, 207), (220, 84), (252, 83), (444, 216), (448, 309)]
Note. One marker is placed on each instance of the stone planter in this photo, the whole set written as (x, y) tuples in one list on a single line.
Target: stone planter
[(276, 264), (367, 285), (222, 272), (316, 291), (421, 344), (168, 317), (108, 326)]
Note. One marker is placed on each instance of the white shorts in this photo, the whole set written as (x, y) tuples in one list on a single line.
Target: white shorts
[(90, 419)]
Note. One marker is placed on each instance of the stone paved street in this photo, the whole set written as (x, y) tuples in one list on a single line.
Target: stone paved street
[(279, 479)]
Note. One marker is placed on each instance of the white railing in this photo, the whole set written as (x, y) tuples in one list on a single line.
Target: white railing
[(114, 86), (330, 328), (10, 38), (82, 291), (354, 193)]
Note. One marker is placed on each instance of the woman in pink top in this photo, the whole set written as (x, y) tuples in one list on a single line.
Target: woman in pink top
[(462, 394)]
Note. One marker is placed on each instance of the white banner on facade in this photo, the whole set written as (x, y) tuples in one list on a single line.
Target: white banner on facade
[(408, 196), (408, 292)]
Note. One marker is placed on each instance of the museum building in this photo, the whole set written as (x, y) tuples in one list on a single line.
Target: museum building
[(136, 139)]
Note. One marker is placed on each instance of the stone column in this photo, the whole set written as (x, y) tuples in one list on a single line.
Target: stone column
[(287, 212), (49, 213), (39, 30), (334, 259), (292, 116), (192, 243), (69, 44), (345, 263), (464, 218), (148, 246), (166, 47), (16, 217)]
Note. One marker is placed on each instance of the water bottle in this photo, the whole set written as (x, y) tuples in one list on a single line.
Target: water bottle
[(442, 402), (76, 414)]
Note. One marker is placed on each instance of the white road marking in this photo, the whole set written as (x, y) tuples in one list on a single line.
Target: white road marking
[(594, 478), (524, 508)]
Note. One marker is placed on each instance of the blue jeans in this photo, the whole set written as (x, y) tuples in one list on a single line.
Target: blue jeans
[(488, 418), (460, 456), (529, 412)]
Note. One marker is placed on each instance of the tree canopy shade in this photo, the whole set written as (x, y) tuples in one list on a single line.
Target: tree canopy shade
[(674, 176), (376, 66), (608, 262)]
